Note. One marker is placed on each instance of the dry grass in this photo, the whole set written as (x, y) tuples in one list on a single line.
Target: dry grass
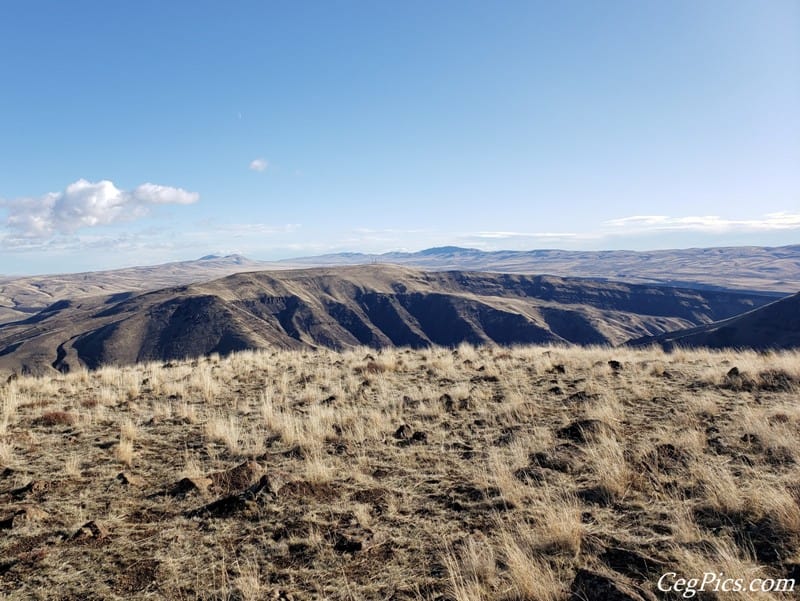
[(468, 474)]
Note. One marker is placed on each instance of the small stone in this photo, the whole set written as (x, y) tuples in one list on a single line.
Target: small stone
[(129, 479), (585, 430), (91, 530), (235, 479), (592, 586), (346, 545), (30, 514), (403, 432)]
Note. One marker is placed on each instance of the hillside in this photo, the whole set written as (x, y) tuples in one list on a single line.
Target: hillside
[(773, 326), (742, 268), (343, 307), (467, 474), (21, 297)]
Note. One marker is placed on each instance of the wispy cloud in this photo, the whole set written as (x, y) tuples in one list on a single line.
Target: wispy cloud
[(707, 223), (259, 164), (85, 204)]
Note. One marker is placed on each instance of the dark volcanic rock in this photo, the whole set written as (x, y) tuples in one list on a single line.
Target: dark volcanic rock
[(232, 504), (585, 430), (592, 586), (631, 563), (235, 479), (403, 432)]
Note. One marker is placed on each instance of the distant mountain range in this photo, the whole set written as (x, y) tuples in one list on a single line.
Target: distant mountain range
[(342, 307), (739, 267)]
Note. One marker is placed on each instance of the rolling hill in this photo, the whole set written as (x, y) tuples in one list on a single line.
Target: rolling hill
[(773, 326), (21, 297), (344, 307)]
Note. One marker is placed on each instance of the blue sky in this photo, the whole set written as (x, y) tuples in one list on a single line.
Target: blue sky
[(143, 132)]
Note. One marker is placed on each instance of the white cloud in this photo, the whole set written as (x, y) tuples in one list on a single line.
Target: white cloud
[(259, 164), (708, 223), (155, 194), (86, 204)]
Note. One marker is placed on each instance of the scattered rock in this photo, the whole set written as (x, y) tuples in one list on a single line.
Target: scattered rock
[(666, 458), (294, 452), (34, 487), (564, 458), (56, 418), (447, 401), (780, 456), (129, 479), (378, 498), (235, 479), (631, 563), (593, 586), (90, 530), (753, 440), (530, 474), (597, 495), (585, 430), (763, 536), (304, 490), (506, 437), (792, 571), (30, 514), (467, 493), (243, 501), (581, 397), (415, 437), (301, 554), (136, 576), (465, 451), (343, 544), (484, 378), (738, 380), (777, 380), (5, 566), (419, 436), (779, 418), (403, 432), (409, 402)]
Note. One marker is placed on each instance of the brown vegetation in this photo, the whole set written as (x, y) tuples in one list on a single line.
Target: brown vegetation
[(528, 473)]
